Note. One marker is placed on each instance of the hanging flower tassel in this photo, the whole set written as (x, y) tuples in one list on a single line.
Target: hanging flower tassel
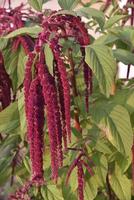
[(35, 122)]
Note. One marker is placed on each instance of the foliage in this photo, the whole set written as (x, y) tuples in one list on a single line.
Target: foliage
[(100, 152)]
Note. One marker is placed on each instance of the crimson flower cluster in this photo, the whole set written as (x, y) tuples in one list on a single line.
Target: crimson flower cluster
[(53, 93), (11, 20), (5, 85), (79, 162)]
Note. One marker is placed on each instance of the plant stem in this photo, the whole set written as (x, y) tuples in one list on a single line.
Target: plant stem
[(75, 92), (14, 162), (9, 4), (128, 71), (109, 188), (1, 138), (74, 149)]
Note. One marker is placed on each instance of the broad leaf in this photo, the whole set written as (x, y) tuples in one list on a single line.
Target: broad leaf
[(106, 39), (100, 169), (32, 31), (68, 4), (125, 97), (14, 64), (91, 188), (36, 4), (22, 116), (101, 61), (124, 56), (3, 43), (114, 121), (121, 185), (9, 118), (125, 34), (91, 12), (112, 20), (52, 192), (49, 58)]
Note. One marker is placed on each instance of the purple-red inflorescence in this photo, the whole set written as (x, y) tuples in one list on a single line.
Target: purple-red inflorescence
[(88, 80), (53, 117), (35, 128), (5, 85), (80, 174), (22, 193), (54, 88), (79, 163)]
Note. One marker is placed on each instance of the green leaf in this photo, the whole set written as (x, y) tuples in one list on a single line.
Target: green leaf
[(49, 58), (101, 61), (125, 34), (125, 97), (121, 185), (124, 56), (112, 20), (114, 121), (21, 66), (3, 43), (22, 116), (65, 12), (106, 39), (9, 118), (94, 13), (101, 167), (36, 4), (15, 64), (68, 4), (32, 31), (91, 188), (51, 192), (9, 143)]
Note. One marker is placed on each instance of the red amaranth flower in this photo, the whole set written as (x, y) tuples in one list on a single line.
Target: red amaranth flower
[(35, 121), (22, 193), (27, 43), (88, 79), (61, 100), (89, 169), (72, 166), (88, 82), (55, 89), (5, 85), (80, 174), (53, 116), (65, 84)]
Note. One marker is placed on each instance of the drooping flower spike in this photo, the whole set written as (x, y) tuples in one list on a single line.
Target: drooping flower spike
[(55, 88), (79, 163), (5, 85)]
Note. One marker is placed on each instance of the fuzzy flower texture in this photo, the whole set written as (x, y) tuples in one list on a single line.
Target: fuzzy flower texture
[(48, 94)]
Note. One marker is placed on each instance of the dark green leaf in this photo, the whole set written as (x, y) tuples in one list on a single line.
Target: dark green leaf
[(22, 116), (124, 56), (114, 121), (106, 39), (9, 118), (121, 185), (49, 58), (91, 12), (15, 64), (36, 4), (68, 4), (101, 61), (33, 31), (112, 20), (3, 43)]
